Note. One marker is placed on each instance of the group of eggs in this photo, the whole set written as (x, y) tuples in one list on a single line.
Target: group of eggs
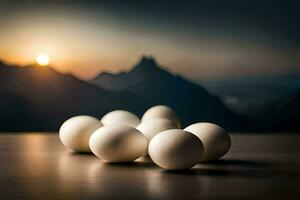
[(120, 136)]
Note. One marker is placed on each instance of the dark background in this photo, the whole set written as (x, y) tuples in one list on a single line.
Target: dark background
[(229, 62)]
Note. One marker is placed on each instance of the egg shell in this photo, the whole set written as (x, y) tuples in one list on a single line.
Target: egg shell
[(120, 117), (175, 149), (161, 112), (76, 131), (118, 143), (215, 139), (155, 126)]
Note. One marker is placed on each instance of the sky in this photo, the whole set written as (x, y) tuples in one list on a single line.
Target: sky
[(196, 39)]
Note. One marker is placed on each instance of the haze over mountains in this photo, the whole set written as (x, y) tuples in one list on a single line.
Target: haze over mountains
[(39, 99), (270, 102), (281, 115), (243, 94)]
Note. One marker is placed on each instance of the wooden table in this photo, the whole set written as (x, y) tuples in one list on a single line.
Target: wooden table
[(37, 166)]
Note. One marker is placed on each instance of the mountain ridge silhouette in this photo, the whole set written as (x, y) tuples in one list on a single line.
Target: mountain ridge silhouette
[(35, 98), (45, 98), (149, 81)]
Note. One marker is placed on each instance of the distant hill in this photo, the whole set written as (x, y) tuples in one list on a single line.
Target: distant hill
[(245, 94), (281, 115), (37, 98), (155, 85)]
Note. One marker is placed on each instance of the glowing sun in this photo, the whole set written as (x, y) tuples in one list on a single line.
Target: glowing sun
[(42, 59)]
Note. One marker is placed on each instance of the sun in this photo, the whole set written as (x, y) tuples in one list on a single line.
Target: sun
[(42, 59)]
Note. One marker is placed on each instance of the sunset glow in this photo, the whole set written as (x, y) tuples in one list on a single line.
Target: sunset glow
[(42, 59), (195, 41)]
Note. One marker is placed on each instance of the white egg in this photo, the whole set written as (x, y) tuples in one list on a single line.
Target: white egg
[(175, 149), (118, 143), (120, 117), (161, 112), (215, 139), (155, 126), (76, 131)]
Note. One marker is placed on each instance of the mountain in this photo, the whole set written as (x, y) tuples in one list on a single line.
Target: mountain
[(37, 98), (155, 85), (281, 115), (245, 94), (146, 68)]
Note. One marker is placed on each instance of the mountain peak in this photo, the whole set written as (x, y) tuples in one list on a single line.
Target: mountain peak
[(149, 60), (146, 63)]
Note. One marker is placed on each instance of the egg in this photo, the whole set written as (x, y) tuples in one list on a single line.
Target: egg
[(161, 112), (215, 139), (120, 117), (76, 131), (118, 143), (175, 149), (153, 127)]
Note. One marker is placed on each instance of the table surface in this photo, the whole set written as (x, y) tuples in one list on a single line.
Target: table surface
[(37, 166)]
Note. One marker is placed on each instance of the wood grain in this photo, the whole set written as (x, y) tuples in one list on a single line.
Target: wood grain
[(37, 166)]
